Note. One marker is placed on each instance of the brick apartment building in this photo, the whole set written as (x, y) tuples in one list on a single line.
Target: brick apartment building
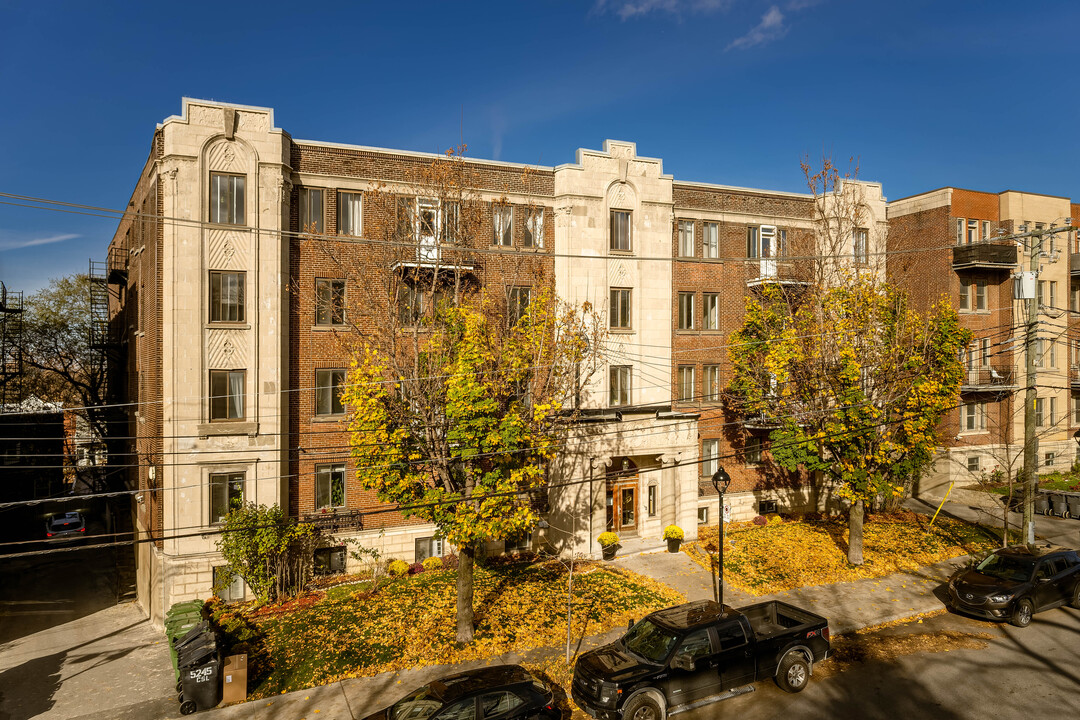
[(245, 256), (948, 243)]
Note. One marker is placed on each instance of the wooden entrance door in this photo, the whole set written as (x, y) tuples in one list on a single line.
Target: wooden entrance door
[(622, 502)]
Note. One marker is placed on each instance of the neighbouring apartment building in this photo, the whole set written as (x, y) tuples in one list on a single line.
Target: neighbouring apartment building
[(232, 279), (949, 243)]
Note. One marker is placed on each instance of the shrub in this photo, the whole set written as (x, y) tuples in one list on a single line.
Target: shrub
[(416, 568), (608, 539), (673, 532), (760, 520), (398, 568), (449, 561), (432, 563)]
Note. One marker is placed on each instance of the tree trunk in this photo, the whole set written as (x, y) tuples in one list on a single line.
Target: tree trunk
[(855, 528), (466, 555)]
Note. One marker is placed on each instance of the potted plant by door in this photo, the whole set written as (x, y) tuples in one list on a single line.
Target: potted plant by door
[(609, 543), (674, 536)]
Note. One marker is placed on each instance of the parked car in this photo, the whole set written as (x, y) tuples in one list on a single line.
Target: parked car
[(501, 692), (1015, 582), (65, 525), (698, 653)]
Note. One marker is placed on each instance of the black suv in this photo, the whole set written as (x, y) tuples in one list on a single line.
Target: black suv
[(501, 692), (1015, 582)]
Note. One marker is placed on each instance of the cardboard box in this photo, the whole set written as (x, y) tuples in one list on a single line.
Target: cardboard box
[(234, 680)]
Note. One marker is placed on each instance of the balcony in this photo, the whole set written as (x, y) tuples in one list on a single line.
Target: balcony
[(761, 421), (1074, 378), (984, 256), (337, 520), (1074, 264), (771, 271), (997, 378)]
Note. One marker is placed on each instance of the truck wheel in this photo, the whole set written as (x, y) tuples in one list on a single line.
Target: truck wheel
[(793, 673), (1021, 616), (642, 707)]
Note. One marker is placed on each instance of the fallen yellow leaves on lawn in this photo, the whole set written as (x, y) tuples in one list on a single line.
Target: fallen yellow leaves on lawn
[(779, 556)]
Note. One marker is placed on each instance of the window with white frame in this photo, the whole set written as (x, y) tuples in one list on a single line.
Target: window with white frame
[(711, 383), (619, 380), (1048, 459), (502, 223), (328, 560), (228, 586), (619, 311), (710, 454), (687, 247), (1053, 411), (311, 210), (973, 462), (861, 247), (973, 417), (686, 383), (710, 240), (1040, 412), (226, 493), (972, 231), (620, 230), (227, 199), (534, 227), (227, 296), (960, 231), (972, 294), (710, 311), (686, 311), (985, 229), (426, 547), (328, 387), (350, 213), (227, 395), (1076, 409), (330, 486)]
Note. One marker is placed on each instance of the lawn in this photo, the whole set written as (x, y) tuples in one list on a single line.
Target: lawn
[(326, 636), (1060, 481), (787, 554)]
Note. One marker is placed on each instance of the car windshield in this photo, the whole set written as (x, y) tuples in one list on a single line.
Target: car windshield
[(421, 705), (1005, 567), (650, 641)]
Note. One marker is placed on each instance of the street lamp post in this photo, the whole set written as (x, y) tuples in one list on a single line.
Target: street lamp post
[(721, 481)]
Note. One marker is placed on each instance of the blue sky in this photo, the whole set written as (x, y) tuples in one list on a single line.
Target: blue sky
[(925, 94)]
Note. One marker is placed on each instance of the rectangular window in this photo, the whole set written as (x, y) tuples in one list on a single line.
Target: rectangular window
[(1053, 411), (687, 247), (1040, 292), (710, 240), (1048, 459), (960, 231), (227, 199), (1076, 410), (1053, 294), (405, 218), (502, 224), (1051, 353), (752, 250), (428, 547), (752, 451), (330, 486), (710, 453), (227, 394), (328, 560), (781, 243), (534, 228), (710, 311), (703, 515), (311, 210), (711, 389), (686, 383), (228, 586), (620, 230), (329, 302), (972, 231), (226, 493), (1074, 296), (619, 380), (973, 417), (972, 294), (973, 463), (986, 230), (328, 386), (980, 294), (350, 213), (861, 250), (619, 318), (686, 311), (451, 222), (517, 302), (652, 501), (227, 296)]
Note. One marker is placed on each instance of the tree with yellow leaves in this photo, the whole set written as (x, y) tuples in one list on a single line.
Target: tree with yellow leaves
[(854, 382)]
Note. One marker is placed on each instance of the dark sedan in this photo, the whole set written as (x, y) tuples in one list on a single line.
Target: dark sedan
[(501, 692), (1014, 583)]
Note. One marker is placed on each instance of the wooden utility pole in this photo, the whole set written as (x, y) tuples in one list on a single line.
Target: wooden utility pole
[(1031, 442)]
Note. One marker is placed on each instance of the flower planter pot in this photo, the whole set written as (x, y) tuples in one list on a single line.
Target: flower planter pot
[(609, 551), (673, 545)]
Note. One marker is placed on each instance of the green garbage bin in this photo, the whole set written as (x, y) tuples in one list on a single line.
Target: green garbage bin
[(188, 606)]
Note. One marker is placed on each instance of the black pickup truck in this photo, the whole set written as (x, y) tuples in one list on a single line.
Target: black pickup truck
[(694, 654)]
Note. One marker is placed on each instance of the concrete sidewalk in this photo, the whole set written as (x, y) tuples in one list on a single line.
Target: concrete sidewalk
[(848, 606)]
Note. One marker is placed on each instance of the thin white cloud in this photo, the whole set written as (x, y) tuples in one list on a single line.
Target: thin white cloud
[(627, 9), (770, 28), (18, 243)]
